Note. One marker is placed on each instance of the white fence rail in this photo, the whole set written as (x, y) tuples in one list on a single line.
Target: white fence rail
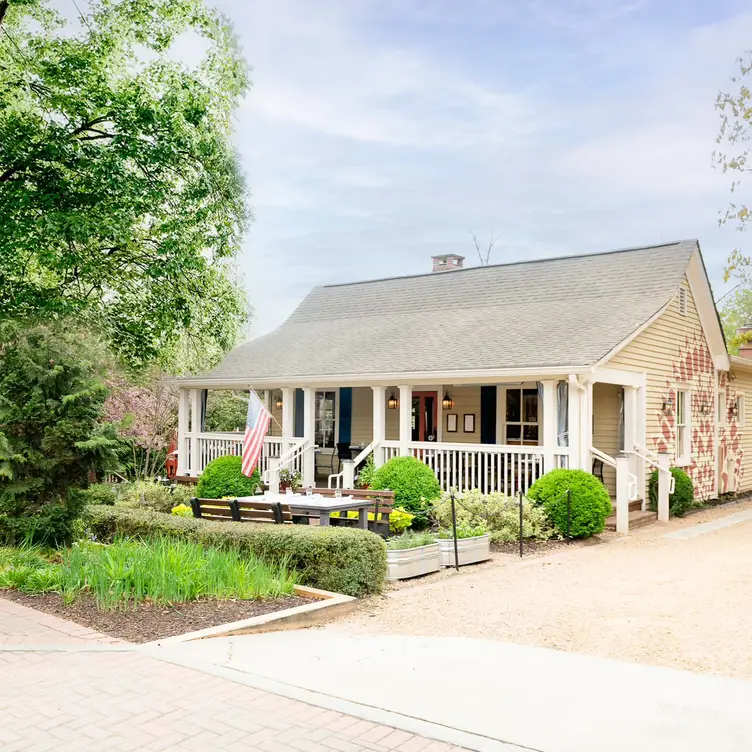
[(487, 467), (209, 446)]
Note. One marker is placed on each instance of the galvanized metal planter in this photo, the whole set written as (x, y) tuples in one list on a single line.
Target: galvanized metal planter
[(469, 550), (412, 562)]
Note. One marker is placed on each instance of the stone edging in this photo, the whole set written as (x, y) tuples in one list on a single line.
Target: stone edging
[(327, 605)]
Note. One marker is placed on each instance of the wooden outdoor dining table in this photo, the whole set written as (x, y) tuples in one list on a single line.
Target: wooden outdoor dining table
[(324, 506)]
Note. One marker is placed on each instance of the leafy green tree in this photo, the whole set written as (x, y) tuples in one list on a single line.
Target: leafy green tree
[(122, 202), (226, 410), (737, 313), (52, 437)]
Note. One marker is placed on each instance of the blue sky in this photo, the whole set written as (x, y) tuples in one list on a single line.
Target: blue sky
[(381, 132)]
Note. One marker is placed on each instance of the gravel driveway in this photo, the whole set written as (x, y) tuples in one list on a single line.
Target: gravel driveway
[(648, 599)]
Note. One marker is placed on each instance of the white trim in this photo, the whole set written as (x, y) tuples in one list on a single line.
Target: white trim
[(716, 436), (429, 378), (619, 377), (706, 310)]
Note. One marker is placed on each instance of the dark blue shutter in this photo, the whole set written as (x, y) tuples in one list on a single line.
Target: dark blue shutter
[(204, 398), (488, 415), (298, 420), (345, 414)]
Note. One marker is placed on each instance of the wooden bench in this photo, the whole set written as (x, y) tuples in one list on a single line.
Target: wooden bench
[(236, 510), (383, 503)]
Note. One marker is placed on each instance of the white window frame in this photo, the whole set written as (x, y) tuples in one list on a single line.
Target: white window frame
[(741, 418), (318, 421), (521, 422), (683, 443)]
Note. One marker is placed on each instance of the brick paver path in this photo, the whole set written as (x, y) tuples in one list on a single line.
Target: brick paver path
[(95, 693)]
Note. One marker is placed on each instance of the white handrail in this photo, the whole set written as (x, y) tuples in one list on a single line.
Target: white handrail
[(672, 480), (607, 459), (646, 450), (341, 475), (287, 458)]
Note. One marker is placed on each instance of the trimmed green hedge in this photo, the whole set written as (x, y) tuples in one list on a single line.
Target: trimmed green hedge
[(414, 485), (224, 477), (343, 560), (680, 500), (590, 501)]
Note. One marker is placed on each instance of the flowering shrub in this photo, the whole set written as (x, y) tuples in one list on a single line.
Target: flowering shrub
[(499, 514), (182, 510)]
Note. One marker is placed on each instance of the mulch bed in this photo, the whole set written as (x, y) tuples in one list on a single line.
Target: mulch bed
[(149, 621)]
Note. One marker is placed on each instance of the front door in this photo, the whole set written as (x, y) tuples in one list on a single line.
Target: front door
[(425, 406)]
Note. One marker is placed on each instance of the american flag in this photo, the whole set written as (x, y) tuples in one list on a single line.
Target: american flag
[(256, 426)]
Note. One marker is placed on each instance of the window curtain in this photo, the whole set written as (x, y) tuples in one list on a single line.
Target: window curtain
[(345, 414), (562, 414), (621, 420)]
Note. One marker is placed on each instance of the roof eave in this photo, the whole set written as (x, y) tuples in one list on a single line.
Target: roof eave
[(480, 376)]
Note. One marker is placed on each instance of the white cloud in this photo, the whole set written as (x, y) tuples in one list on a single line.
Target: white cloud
[(584, 14), (379, 132)]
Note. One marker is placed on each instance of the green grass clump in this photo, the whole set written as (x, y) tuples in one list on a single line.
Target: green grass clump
[(344, 560), (160, 570)]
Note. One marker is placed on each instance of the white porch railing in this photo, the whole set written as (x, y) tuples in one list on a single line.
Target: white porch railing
[(209, 446), (487, 467), (346, 478)]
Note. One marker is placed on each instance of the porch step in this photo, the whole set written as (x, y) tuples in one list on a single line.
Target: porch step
[(637, 518)]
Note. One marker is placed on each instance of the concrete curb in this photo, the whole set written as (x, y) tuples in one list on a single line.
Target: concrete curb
[(327, 605)]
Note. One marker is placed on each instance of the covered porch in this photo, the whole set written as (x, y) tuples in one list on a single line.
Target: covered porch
[(495, 436)]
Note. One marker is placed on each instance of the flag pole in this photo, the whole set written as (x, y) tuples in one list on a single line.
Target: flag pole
[(253, 391)]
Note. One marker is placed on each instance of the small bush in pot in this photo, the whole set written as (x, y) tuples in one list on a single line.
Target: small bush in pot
[(681, 499), (463, 531), (414, 485), (289, 479), (590, 501), (224, 477), (410, 540)]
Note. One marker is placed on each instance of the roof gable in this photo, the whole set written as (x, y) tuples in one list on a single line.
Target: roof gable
[(562, 312)]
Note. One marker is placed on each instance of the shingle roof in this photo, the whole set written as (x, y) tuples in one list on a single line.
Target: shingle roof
[(568, 311)]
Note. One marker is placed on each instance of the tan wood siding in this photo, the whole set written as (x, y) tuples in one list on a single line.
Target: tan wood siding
[(673, 353), (735, 434), (361, 426), (466, 401), (606, 417)]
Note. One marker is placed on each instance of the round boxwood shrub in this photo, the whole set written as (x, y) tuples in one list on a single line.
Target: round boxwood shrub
[(590, 501), (224, 477), (413, 483), (681, 499)]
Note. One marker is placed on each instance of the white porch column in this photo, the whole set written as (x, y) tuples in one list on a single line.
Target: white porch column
[(405, 419), (549, 424), (575, 451), (622, 494), (631, 433), (309, 456), (379, 423), (183, 409), (586, 427), (288, 417), (664, 482), (195, 468)]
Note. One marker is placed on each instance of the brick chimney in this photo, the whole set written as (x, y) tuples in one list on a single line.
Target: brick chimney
[(447, 262), (745, 349)]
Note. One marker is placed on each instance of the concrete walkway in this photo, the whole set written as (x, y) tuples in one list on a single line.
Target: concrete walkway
[(69, 689), (525, 696)]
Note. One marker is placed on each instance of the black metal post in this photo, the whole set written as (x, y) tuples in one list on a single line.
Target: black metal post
[(569, 515), (454, 533), (521, 524)]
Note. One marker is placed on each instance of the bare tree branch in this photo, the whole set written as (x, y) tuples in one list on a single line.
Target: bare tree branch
[(484, 256)]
